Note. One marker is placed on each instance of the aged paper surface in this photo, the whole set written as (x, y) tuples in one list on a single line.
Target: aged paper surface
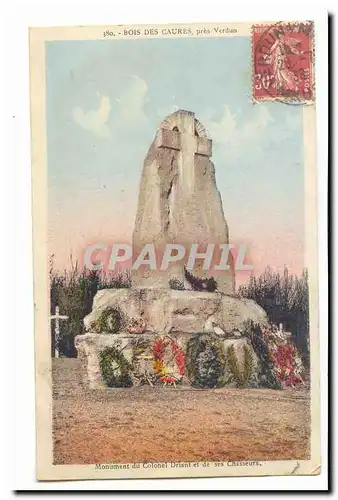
[(175, 250)]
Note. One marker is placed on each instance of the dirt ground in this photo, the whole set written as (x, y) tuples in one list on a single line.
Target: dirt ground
[(165, 424)]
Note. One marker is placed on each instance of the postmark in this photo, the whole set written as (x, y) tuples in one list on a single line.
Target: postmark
[(283, 62)]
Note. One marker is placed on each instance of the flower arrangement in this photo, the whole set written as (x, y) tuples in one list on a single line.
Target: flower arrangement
[(281, 362), (176, 284), (168, 362), (136, 325), (241, 377), (114, 367), (205, 361), (288, 364), (109, 321), (200, 284), (142, 370)]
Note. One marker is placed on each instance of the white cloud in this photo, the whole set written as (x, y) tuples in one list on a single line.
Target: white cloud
[(132, 100), (227, 129), (223, 130), (128, 110), (94, 121), (233, 137)]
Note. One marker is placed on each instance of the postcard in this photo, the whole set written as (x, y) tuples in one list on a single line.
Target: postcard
[(174, 180)]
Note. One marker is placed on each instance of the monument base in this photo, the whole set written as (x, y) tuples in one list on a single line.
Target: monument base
[(91, 345), (177, 311), (156, 322)]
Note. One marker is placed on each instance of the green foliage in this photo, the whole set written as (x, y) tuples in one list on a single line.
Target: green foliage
[(201, 284), (268, 374), (73, 291), (114, 280), (242, 379), (285, 298), (248, 365), (115, 369), (109, 321), (205, 361), (140, 347)]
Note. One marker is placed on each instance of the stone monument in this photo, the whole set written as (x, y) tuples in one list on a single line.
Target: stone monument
[(179, 201)]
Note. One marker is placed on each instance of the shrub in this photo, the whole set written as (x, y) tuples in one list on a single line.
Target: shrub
[(285, 298), (73, 291)]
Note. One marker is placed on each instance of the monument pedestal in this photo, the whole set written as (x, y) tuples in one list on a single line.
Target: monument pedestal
[(90, 345), (177, 315), (177, 311)]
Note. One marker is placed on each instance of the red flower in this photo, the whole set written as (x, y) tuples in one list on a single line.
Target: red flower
[(284, 358), (159, 352), (158, 349)]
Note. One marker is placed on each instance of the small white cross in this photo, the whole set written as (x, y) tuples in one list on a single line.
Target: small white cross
[(57, 316)]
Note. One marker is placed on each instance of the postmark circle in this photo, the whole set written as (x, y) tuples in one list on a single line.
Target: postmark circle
[(269, 37)]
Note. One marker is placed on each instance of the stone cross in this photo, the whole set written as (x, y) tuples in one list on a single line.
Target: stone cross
[(184, 137), (57, 316), (179, 202)]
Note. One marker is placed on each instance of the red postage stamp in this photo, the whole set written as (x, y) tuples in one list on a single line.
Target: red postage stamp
[(283, 62)]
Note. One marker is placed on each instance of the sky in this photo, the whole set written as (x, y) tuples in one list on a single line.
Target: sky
[(104, 101)]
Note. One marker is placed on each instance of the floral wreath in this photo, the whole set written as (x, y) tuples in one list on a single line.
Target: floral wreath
[(205, 373), (168, 362), (288, 364), (114, 367)]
